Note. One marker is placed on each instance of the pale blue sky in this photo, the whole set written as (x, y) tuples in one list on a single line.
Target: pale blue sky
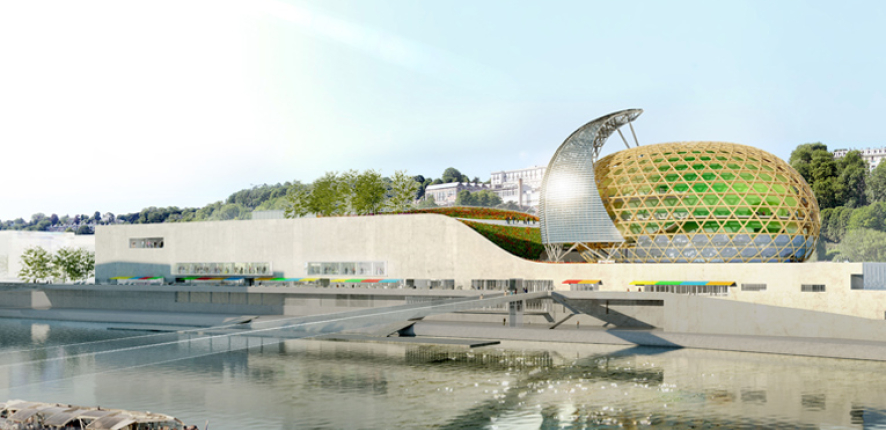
[(119, 105)]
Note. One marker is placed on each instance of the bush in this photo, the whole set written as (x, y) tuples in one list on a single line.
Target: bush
[(475, 213)]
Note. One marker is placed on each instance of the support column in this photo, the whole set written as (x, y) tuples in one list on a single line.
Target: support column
[(515, 313)]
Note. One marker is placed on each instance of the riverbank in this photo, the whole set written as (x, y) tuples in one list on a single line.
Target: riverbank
[(472, 334)]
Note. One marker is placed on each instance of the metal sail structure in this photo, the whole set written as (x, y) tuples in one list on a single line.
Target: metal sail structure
[(570, 206)]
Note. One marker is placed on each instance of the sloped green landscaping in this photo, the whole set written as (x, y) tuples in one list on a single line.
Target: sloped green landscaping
[(524, 242)]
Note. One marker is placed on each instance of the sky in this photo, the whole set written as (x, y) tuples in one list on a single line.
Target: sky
[(120, 105)]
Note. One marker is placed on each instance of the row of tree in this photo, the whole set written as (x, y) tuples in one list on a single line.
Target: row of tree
[(79, 224), (238, 205), (67, 264), (352, 192)]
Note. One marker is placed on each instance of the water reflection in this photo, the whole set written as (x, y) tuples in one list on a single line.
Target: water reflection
[(244, 381)]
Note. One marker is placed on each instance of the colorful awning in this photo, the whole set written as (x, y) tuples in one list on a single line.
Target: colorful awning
[(698, 283), (583, 281), (136, 278)]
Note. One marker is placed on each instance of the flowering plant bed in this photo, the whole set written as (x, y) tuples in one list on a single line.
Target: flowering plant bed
[(523, 242), (470, 212)]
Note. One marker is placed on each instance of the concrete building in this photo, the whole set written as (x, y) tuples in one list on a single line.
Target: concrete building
[(531, 176), (873, 156), (445, 194), (14, 243), (521, 186)]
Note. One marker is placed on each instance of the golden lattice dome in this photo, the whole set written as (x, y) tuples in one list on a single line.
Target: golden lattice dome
[(707, 202)]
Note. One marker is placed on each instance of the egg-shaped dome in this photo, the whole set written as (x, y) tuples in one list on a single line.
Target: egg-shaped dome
[(707, 202)]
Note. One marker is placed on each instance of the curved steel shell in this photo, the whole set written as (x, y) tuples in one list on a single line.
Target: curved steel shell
[(570, 207), (707, 202)]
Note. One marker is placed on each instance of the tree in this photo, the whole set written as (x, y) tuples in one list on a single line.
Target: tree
[(97, 216), (298, 200), (53, 219), (801, 159), (465, 198), (863, 245), (367, 193), (328, 195), (404, 189), (230, 211), (36, 265), (451, 174), (484, 198), (853, 174), (84, 229), (76, 219), (66, 262), (487, 198), (876, 184), (870, 217), (428, 202)]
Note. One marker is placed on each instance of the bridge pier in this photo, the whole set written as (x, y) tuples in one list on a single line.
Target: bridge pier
[(515, 313)]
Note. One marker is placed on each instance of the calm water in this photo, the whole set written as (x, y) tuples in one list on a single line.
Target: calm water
[(256, 382)]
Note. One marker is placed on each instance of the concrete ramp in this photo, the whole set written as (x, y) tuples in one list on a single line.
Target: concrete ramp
[(333, 323)]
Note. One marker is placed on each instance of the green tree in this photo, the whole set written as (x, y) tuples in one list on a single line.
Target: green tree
[(36, 265), (451, 174), (367, 193), (404, 190), (876, 184), (869, 217), (329, 195), (863, 245), (74, 264), (801, 159), (230, 211), (465, 198), (487, 198), (298, 201), (853, 174), (428, 202)]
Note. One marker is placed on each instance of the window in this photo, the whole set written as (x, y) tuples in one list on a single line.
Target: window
[(812, 288), (150, 242), (753, 287), (348, 268), (856, 282)]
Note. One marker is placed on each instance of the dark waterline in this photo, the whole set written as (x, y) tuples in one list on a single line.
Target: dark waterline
[(263, 382)]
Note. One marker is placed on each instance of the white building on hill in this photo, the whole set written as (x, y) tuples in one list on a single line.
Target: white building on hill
[(872, 155)]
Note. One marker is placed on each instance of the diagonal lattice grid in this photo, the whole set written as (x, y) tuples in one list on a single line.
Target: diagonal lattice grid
[(707, 202)]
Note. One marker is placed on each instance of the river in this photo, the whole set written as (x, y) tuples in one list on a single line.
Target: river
[(239, 382)]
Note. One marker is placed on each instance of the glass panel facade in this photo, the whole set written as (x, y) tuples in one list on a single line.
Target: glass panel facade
[(570, 207)]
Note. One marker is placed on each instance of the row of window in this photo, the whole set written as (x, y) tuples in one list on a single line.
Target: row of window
[(362, 268), (146, 242), (221, 269), (805, 288)]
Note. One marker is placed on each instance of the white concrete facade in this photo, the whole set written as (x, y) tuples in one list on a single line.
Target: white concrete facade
[(14, 243), (873, 156), (438, 247), (531, 176)]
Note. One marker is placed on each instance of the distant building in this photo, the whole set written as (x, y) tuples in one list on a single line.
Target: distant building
[(531, 176), (507, 182), (445, 194), (873, 156)]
